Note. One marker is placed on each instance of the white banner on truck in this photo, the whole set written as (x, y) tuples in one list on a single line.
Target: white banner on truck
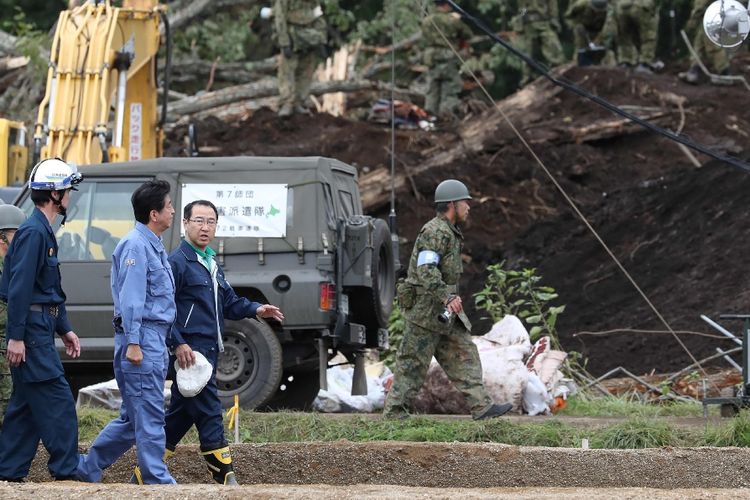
[(245, 210)]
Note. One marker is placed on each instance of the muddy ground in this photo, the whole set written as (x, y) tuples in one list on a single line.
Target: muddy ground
[(681, 231)]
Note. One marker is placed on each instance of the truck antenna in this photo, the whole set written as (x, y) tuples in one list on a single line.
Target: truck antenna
[(392, 223)]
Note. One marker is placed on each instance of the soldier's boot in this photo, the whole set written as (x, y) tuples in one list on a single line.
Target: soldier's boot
[(495, 410), (137, 477), (219, 462), (644, 69), (691, 76), (286, 110)]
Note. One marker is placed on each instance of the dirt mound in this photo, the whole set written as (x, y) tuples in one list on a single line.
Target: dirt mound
[(679, 230), (455, 465)]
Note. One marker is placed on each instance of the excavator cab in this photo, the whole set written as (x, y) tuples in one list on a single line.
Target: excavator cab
[(14, 153)]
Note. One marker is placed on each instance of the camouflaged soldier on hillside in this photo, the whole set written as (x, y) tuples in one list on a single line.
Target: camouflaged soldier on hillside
[(302, 35), (586, 18), (715, 58), (436, 323), (10, 218), (538, 26), (634, 25), (444, 68)]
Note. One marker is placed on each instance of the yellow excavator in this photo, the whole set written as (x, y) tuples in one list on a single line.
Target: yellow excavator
[(100, 103)]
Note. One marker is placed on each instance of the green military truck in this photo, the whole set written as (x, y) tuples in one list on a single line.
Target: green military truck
[(291, 232)]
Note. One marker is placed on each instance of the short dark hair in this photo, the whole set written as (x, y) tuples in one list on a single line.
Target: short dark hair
[(188, 212), (442, 206), (40, 197), (151, 195)]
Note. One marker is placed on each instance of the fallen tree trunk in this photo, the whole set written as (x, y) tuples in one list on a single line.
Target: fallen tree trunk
[(266, 88), (189, 70)]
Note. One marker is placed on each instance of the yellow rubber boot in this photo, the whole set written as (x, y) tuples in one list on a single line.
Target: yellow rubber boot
[(219, 462)]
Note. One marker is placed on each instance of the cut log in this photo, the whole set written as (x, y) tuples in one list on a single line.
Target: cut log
[(266, 88), (189, 70)]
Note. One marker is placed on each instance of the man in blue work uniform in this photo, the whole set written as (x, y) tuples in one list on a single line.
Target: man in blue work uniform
[(204, 299), (41, 405), (143, 295)]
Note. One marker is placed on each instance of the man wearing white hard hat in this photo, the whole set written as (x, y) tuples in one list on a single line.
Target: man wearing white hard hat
[(41, 406)]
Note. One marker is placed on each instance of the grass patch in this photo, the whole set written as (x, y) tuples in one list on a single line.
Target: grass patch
[(586, 406), (641, 429)]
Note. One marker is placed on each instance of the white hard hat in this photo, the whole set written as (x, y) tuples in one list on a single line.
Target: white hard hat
[(193, 379), (54, 174)]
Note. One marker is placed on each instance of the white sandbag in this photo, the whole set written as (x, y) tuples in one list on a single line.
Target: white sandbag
[(504, 374), (536, 399), (338, 398), (509, 331), (107, 395)]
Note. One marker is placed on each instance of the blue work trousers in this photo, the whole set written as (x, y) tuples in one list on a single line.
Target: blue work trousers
[(39, 410), (203, 409), (141, 420)]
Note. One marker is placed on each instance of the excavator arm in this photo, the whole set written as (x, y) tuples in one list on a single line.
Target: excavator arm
[(100, 103)]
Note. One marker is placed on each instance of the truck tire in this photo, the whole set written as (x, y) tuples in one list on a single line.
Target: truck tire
[(297, 391), (250, 365), (372, 306)]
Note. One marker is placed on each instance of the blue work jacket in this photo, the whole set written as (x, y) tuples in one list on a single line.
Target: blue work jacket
[(197, 314), (142, 283), (31, 276)]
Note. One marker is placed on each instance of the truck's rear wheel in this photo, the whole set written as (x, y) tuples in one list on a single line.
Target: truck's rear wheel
[(372, 306), (250, 365), (297, 391)]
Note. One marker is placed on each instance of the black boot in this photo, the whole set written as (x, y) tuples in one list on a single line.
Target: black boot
[(495, 410), (219, 462)]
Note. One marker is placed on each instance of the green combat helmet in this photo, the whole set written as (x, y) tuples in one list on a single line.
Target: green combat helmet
[(11, 217), (451, 190)]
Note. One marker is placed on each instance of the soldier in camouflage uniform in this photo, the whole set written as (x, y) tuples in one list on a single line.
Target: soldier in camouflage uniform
[(444, 68), (635, 24), (302, 34), (586, 17), (538, 26), (10, 218), (715, 58), (430, 291)]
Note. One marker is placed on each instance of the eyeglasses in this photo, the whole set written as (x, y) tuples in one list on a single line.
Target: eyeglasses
[(204, 222)]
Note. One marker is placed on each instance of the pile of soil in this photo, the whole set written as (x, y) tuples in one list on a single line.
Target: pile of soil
[(680, 231)]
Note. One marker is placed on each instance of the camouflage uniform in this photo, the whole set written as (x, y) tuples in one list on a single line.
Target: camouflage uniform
[(302, 35), (635, 24), (538, 25), (421, 298), (715, 58), (587, 23), (5, 382), (443, 75)]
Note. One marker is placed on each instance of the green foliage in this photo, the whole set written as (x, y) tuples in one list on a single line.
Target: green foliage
[(376, 29), (226, 36), (520, 293), (39, 14), (582, 405), (32, 42), (395, 335), (636, 432), (640, 430), (737, 433)]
